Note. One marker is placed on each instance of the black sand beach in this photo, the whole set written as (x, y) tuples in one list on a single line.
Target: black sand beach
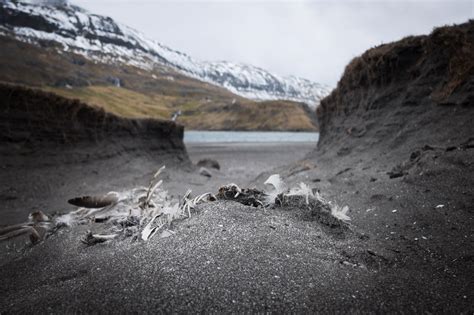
[(229, 257), (396, 147)]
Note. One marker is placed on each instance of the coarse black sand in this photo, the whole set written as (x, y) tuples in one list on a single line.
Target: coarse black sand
[(230, 257)]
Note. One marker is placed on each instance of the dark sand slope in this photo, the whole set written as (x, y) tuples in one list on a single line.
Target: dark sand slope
[(229, 257), (53, 149), (397, 146)]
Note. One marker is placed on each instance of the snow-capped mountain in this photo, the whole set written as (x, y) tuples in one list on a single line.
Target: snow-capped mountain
[(101, 38)]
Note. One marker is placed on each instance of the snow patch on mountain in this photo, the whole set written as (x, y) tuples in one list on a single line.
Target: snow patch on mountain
[(101, 38)]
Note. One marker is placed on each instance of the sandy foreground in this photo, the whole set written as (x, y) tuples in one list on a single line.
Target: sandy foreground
[(45, 187), (228, 257)]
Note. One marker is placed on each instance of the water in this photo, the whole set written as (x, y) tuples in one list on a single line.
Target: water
[(194, 136)]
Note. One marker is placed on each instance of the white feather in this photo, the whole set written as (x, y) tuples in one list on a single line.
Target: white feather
[(302, 190), (172, 212), (148, 231), (67, 219), (278, 187), (277, 183), (340, 213)]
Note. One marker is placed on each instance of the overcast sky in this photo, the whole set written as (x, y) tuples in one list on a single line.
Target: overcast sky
[(310, 39)]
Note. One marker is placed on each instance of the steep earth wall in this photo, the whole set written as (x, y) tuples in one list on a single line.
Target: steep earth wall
[(35, 121), (399, 96)]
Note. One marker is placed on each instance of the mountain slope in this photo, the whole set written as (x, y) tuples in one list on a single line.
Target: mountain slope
[(102, 39), (132, 92)]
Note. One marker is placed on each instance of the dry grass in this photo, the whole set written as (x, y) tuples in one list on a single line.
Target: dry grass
[(448, 51), (120, 101), (458, 46), (379, 64), (271, 115), (197, 113)]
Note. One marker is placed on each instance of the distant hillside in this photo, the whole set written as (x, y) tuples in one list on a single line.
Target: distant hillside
[(99, 38), (130, 91)]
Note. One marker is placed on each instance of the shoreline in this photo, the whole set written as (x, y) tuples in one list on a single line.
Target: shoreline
[(199, 136), (251, 144)]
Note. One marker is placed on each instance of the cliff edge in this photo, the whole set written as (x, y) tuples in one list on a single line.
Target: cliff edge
[(399, 96), (37, 121)]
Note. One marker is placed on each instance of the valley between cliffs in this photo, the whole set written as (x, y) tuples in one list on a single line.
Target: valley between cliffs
[(396, 147)]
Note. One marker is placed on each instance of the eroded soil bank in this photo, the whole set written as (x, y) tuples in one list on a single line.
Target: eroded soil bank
[(397, 147), (52, 147)]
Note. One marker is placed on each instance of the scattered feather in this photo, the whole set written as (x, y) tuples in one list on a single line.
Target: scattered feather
[(277, 183), (95, 201), (340, 213), (138, 213), (302, 190), (149, 230), (92, 239), (167, 233), (143, 211)]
